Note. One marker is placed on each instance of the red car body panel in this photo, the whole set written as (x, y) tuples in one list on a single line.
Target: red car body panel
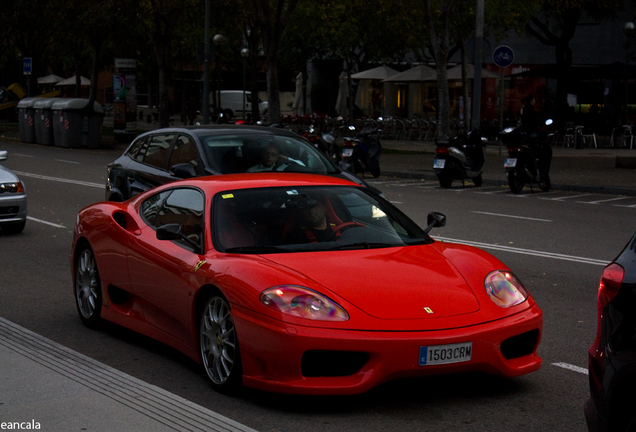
[(388, 319)]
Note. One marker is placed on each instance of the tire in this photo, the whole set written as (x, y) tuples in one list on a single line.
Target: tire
[(515, 182), (445, 180), (478, 181), (219, 346), (228, 114), (545, 184), (88, 290), (13, 228)]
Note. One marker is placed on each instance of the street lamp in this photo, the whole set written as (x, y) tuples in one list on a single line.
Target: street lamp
[(218, 40), (205, 109), (244, 53), (630, 30)]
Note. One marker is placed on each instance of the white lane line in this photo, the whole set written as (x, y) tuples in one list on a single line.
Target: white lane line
[(571, 367), (603, 201), (45, 222), (563, 198), (23, 155), (68, 161), (61, 180), (627, 206), (511, 216), (396, 202), (542, 254)]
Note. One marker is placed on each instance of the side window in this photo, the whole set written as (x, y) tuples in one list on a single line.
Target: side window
[(184, 207), (185, 151), (157, 151), (135, 151), (150, 207)]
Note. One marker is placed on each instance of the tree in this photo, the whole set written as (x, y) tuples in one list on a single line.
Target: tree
[(556, 24), (271, 17), (160, 19)]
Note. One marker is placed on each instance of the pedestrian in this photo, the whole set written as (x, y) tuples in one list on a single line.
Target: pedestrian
[(529, 116)]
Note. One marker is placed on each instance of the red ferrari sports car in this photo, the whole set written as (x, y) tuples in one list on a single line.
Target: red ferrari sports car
[(299, 283)]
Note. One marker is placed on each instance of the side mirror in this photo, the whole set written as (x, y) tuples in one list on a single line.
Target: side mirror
[(169, 232), (435, 220), (173, 232), (183, 170)]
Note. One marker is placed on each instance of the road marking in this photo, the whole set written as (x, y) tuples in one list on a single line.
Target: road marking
[(563, 198), (572, 368), (23, 155), (45, 222), (603, 201), (67, 161), (61, 180), (627, 206), (511, 216), (541, 254)]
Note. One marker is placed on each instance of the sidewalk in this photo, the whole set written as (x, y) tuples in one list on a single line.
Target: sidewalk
[(588, 170)]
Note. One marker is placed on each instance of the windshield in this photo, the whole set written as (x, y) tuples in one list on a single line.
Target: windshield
[(241, 153), (278, 220)]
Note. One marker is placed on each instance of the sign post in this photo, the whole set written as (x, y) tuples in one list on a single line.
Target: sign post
[(27, 66), (503, 56)]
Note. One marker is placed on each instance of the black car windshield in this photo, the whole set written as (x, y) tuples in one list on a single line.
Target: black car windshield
[(239, 153), (316, 218)]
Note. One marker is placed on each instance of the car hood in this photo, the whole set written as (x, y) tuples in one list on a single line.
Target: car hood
[(6, 175), (410, 282)]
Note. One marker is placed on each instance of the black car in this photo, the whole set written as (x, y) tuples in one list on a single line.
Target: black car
[(612, 357), (170, 154)]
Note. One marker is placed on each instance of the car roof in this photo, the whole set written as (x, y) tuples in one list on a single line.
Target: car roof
[(223, 129)]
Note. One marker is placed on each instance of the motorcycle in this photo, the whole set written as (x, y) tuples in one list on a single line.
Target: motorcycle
[(326, 143), (463, 159), (529, 159), (362, 153)]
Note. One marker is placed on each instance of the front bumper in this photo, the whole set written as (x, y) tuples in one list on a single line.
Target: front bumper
[(272, 352), (13, 208)]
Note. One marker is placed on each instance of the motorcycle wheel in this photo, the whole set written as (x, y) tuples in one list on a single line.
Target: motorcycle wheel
[(445, 180), (545, 184), (478, 181), (515, 182)]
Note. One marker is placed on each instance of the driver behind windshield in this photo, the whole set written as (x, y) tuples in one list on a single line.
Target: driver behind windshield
[(273, 160), (312, 224)]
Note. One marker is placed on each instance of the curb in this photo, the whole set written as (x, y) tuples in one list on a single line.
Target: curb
[(603, 190)]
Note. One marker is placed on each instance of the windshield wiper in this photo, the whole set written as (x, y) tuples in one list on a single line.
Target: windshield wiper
[(255, 249), (364, 245)]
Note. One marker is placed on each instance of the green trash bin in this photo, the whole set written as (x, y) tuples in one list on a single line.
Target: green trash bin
[(26, 121), (43, 118), (76, 125)]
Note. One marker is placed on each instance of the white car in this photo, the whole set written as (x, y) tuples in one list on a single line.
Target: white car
[(13, 200), (232, 103)]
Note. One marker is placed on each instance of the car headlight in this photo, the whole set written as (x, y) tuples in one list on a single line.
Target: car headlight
[(15, 187), (302, 303), (504, 289)]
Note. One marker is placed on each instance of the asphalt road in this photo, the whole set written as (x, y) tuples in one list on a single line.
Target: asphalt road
[(555, 242)]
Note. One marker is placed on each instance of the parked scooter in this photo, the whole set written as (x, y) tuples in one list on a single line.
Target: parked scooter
[(529, 158), (326, 143), (362, 153), (463, 159)]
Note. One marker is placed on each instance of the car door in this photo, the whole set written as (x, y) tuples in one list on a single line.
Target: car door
[(152, 169), (162, 271)]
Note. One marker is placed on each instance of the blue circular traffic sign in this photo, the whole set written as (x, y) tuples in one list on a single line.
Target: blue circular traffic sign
[(503, 56)]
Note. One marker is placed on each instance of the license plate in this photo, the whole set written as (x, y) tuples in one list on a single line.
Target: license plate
[(510, 162), (445, 354), (347, 152), (439, 163)]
